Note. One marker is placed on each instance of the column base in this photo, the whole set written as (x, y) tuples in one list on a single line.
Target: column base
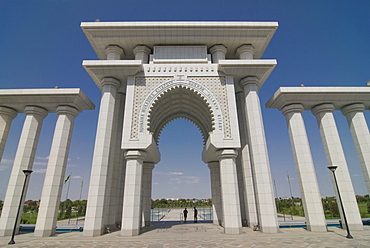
[(269, 229), (92, 233), (317, 228), (147, 223), (233, 230), (130, 232), (6, 232), (44, 233), (355, 227)]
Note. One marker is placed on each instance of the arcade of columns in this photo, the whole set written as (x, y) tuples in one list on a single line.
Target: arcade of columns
[(146, 81), (36, 104)]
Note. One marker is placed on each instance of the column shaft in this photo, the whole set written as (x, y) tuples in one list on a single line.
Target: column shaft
[(214, 168), (23, 161), (249, 192), (147, 192), (132, 200), (335, 156), (6, 117), (53, 184), (312, 205), (361, 137), (229, 191), (265, 200), (97, 198)]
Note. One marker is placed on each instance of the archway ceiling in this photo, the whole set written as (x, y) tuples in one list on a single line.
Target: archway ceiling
[(177, 103)]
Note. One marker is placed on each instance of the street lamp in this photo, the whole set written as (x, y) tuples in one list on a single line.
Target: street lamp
[(26, 173), (332, 169)]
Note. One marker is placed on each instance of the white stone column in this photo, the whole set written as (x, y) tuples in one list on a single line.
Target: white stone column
[(147, 192), (6, 117), (218, 52), (214, 168), (361, 137), (229, 191), (245, 52), (24, 158), (265, 200), (311, 198), (142, 53), (132, 200), (335, 156), (114, 173), (95, 218), (53, 184), (114, 52), (249, 192)]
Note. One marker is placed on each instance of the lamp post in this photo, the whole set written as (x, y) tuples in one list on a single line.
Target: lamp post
[(332, 169), (26, 173)]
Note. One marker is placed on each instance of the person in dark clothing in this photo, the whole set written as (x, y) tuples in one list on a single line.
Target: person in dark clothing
[(185, 212), (195, 215)]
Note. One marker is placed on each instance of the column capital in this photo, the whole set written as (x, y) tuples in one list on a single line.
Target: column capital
[(116, 50), (292, 108), (218, 48), (110, 81), (323, 108), (213, 164), (8, 111), (134, 155), (226, 153), (249, 80), (142, 48), (67, 110), (356, 107), (35, 110), (245, 51), (148, 165)]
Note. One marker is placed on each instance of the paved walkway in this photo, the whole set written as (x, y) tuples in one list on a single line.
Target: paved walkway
[(166, 234)]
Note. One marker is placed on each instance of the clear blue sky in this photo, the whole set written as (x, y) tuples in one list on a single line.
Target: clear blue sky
[(318, 43)]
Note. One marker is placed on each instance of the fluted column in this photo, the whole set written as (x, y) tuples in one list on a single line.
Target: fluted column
[(361, 137), (6, 117), (132, 200), (214, 168), (311, 198), (335, 156), (95, 218), (24, 158), (229, 191), (265, 200), (147, 192), (55, 172), (249, 193)]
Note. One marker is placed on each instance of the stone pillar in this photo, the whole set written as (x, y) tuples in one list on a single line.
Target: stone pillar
[(132, 208), (113, 200), (335, 156), (114, 52), (265, 200), (311, 198), (214, 168), (249, 192), (218, 52), (229, 191), (245, 52), (361, 137), (142, 53), (6, 117), (23, 161), (147, 192), (53, 184), (94, 222)]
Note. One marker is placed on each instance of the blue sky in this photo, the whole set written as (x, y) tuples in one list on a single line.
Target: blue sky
[(318, 43)]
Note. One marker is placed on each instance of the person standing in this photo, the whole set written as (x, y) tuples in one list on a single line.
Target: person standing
[(185, 212), (195, 215)]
